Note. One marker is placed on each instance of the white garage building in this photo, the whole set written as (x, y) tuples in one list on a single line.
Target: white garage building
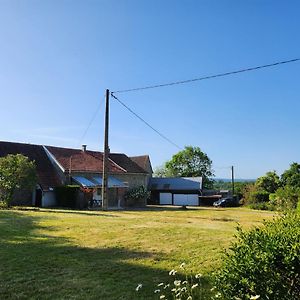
[(176, 191)]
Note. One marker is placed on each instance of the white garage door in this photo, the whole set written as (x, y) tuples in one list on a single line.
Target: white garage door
[(190, 199), (165, 198)]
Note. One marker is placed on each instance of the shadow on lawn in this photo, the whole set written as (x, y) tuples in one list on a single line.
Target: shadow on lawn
[(66, 211), (35, 265)]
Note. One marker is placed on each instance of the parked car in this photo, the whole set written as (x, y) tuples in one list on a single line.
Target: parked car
[(225, 202)]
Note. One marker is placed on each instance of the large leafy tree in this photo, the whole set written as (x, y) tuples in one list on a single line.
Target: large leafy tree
[(16, 172), (270, 182), (291, 176), (191, 162)]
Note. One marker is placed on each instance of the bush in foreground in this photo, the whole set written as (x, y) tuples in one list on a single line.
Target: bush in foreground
[(264, 261)]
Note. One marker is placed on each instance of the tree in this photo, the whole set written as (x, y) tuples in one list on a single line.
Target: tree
[(292, 175), (16, 172), (269, 182), (191, 162)]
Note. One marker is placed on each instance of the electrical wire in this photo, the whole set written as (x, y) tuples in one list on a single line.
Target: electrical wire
[(208, 77), (145, 122), (91, 121)]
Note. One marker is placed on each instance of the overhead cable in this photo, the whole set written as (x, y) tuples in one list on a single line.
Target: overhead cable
[(145, 122), (208, 77), (91, 121)]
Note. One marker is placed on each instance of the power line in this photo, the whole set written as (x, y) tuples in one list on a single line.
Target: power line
[(91, 121), (209, 77), (145, 122)]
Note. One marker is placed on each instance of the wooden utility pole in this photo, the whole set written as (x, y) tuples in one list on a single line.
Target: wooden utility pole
[(105, 155), (232, 180)]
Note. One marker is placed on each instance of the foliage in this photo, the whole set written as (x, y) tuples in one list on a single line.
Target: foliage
[(186, 287), (269, 183), (264, 261), (17, 172), (137, 196), (161, 171), (66, 195), (286, 198), (239, 186), (253, 195), (292, 176), (191, 162)]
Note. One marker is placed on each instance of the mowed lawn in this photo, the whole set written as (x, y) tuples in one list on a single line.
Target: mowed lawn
[(59, 254)]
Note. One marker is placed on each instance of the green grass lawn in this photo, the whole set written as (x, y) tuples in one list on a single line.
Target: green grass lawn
[(59, 254)]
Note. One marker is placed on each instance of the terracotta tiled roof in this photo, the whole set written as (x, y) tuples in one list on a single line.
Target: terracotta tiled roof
[(143, 161), (82, 161), (126, 163), (46, 173)]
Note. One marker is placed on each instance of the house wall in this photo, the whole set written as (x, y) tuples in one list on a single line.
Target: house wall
[(134, 180)]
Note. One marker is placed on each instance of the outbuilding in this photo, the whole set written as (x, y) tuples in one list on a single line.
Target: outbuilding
[(175, 191)]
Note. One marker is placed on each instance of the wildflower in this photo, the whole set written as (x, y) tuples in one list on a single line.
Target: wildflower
[(156, 291), (198, 275), (162, 297), (213, 288), (166, 286), (160, 284), (218, 295), (189, 298), (194, 286), (172, 272), (184, 282), (139, 286), (184, 289), (254, 297), (177, 282), (182, 265)]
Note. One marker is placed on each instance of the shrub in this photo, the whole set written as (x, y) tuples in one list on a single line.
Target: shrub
[(286, 198), (137, 196), (264, 261)]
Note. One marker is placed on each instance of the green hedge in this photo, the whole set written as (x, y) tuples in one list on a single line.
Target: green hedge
[(66, 195), (263, 262)]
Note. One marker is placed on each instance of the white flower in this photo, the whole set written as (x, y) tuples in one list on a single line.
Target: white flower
[(177, 282), (139, 286), (156, 291), (162, 297), (198, 275), (172, 272), (254, 297), (184, 289), (182, 265), (218, 295), (160, 284), (189, 298), (166, 286), (184, 282), (194, 286)]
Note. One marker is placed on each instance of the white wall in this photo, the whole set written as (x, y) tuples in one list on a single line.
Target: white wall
[(186, 199), (49, 199)]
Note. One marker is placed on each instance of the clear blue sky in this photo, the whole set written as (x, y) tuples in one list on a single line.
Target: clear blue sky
[(58, 57)]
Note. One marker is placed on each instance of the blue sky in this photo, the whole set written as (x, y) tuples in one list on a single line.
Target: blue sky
[(58, 57)]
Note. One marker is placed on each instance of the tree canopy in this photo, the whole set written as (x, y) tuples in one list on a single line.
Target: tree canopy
[(16, 172), (292, 175), (189, 162), (270, 182)]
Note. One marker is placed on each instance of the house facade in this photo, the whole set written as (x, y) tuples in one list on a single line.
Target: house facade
[(57, 166)]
